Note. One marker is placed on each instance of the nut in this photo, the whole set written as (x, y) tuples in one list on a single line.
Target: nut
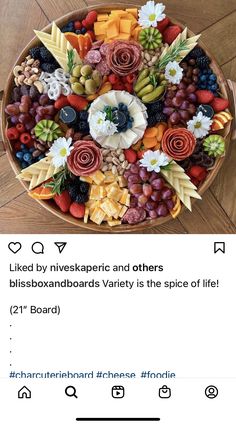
[(16, 81), (115, 161), (121, 157), (18, 70), (39, 86), (114, 169), (109, 159), (30, 62), (105, 168), (28, 68), (36, 64), (21, 79), (35, 70), (26, 81)]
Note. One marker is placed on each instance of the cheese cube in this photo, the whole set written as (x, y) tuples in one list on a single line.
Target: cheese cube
[(102, 17), (114, 223), (86, 179), (122, 211), (133, 12), (98, 177), (98, 28), (112, 29), (95, 193), (125, 26), (123, 36), (114, 193), (109, 207), (97, 215), (109, 177)]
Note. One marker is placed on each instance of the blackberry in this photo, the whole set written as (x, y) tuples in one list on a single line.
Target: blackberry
[(160, 117), (83, 116), (73, 191), (81, 198), (203, 62), (84, 187), (151, 121), (83, 127), (46, 56), (68, 28), (196, 53), (48, 67), (35, 53), (155, 107)]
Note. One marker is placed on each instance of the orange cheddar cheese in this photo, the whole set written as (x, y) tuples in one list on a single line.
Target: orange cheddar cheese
[(102, 17), (125, 26), (133, 12)]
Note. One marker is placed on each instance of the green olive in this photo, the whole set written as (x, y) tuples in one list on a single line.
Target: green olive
[(96, 76), (73, 80), (86, 70), (76, 71), (90, 86), (82, 80), (77, 88)]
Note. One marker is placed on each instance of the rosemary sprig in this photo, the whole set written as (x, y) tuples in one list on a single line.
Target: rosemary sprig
[(108, 112), (57, 184), (70, 60)]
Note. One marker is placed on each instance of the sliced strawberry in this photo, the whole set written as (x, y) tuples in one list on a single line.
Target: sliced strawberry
[(197, 172), (113, 79), (77, 102), (77, 210), (219, 104), (171, 33), (61, 102), (130, 155), (63, 201), (204, 96)]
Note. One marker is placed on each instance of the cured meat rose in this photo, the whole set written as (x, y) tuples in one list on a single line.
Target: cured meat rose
[(134, 215), (85, 158), (124, 57), (178, 143)]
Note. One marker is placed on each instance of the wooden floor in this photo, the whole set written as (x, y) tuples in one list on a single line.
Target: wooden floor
[(215, 19)]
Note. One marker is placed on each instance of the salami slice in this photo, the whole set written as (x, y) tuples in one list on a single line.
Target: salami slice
[(104, 49), (124, 58), (93, 56), (85, 158), (178, 143), (103, 68), (96, 45), (134, 215)]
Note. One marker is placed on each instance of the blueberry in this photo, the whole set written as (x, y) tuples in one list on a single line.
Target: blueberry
[(19, 155), (78, 32), (204, 86), (24, 164), (205, 71), (83, 30), (40, 157), (214, 87), (31, 150), (22, 146), (213, 77), (27, 157), (203, 78)]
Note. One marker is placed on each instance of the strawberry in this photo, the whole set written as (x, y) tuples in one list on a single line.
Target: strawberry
[(130, 156), (129, 87), (77, 102), (204, 96), (77, 210), (130, 78), (171, 33), (113, 79), (63, 201), (161, 26), (12, 133), (140, 153), (118, 86), (197, 172), (91, 17), (77, 25), (61, 102), (219, 104)]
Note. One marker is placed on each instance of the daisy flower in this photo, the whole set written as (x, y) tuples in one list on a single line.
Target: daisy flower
[(154, 160), (101, 126), (150, 14), (200, 125), (173, 72), (60, 150)]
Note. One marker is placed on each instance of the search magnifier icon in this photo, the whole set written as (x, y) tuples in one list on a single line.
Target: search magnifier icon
[(71, 391)]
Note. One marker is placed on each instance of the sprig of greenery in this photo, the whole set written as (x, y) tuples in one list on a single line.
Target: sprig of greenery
[(168, 166), (70, 60), (109, 113), (58, 182), (153, 80)]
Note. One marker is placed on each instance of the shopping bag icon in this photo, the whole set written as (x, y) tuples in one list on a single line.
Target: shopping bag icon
[(164, 392)]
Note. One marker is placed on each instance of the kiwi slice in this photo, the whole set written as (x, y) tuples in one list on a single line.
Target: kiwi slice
[(214, 145), (47, 130), (150, 38)]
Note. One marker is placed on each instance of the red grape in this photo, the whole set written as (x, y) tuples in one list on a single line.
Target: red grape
[(166, 193), (162, 210), (181, 93), (133, 202), (170, 204), (147, 189), (192, 109), (184, 105), (191, 88), (135, 189), (144, 174), (142, 200), (152, 214), (185, 115), (127, 173), (133, 178), (134, 169), (168, 102), (168, 111), (156, 195), (192, 97), (182, 86), (158, 184), (12, 109), (151, 205), (177, 101), (44, 99), (175, 118)]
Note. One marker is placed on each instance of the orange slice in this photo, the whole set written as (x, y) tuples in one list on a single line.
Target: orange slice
[(73, 39), (41, 192)]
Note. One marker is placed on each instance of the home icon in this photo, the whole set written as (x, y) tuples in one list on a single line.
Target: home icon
[(24, 392)]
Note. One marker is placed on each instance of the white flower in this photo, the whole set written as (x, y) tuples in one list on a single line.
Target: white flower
[(154, 160), (101, 125), (200, 125), (60, 150), (173, 72), (150, 14)]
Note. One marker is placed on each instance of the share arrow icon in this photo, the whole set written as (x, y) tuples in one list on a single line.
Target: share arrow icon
[(61, 246)]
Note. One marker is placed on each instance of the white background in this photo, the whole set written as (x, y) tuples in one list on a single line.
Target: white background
[(189, 331)]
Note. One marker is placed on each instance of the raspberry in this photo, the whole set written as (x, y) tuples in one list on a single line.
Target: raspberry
[(12, 133), (20, 127), (25, 138), (91, 16), (77, 25)]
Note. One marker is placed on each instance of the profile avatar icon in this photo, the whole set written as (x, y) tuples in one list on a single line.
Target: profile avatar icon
[(211, 391)]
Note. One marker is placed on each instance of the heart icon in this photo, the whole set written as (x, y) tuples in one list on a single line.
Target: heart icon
[(14, 247)]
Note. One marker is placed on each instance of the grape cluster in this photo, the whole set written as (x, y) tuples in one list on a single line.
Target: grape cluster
[(149, 191), (180, 103)]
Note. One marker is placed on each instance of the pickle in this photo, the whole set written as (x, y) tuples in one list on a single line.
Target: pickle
[(138, 86), (143, 74), (155, 94), (147, 89)]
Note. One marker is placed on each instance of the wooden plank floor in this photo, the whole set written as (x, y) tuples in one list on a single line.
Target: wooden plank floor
[(215, 19)]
